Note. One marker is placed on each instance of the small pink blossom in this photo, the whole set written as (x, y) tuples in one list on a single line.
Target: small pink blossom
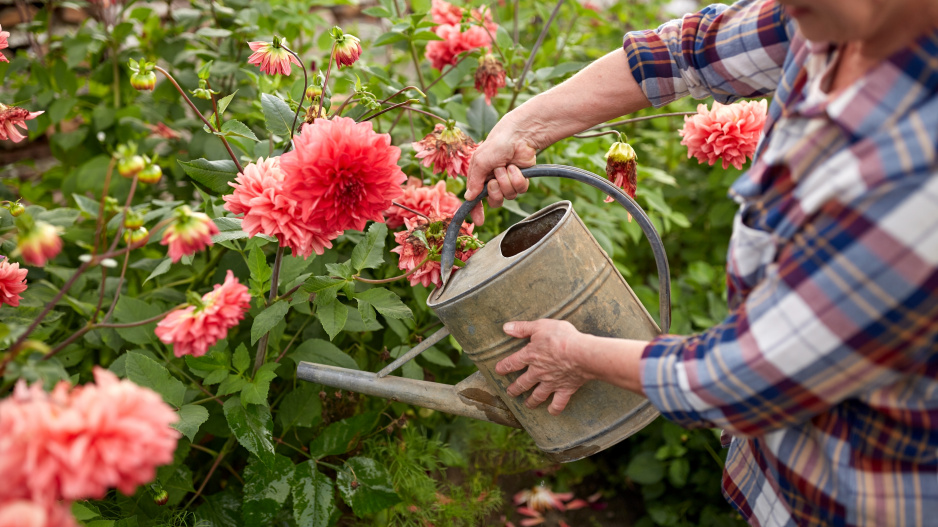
[(11, 117), (194, 329), (433, 201), (414, 253), (443, 12), (727, 132), (442, 53), (4, 43), (39, 243), (26, 513), (347, 50), (12, 282), (446, 148), (189, 233), (161, 130), (271, 58)]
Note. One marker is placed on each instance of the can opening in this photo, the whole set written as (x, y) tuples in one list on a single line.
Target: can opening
[(522, 236)]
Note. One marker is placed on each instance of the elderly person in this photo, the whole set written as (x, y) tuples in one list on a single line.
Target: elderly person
[(825, 372)]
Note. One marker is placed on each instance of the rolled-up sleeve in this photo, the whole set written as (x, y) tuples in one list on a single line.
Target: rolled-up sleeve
[(727, 52), (850, 305)]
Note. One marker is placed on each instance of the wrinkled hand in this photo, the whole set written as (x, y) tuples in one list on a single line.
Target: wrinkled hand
[(551, 359), (497, 162)]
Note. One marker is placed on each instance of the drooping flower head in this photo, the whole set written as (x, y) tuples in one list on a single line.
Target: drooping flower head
[(12, 282), (193, 329), (446, 148), (420, 245), (622, 168), (728, 132), (433, 201), (258, 194), (347, 47), (342, 174), (10, 118), (490, 76), (143, 77), (37, 241), (4, 35), (271, 58), (188, 233)]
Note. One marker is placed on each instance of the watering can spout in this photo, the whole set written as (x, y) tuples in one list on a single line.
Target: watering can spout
[(470, 398)]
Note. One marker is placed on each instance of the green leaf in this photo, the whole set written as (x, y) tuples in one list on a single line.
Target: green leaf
[(333, 317), (435, 356), (213, 175), (343, 436), (385, 301), (369, 253), (267, 319), (224, 102), (313, 497), (278, 115), (325, 287), (242, 360), (130, 309), (191, 417), (320, 351), (213, 32), (252, 428), (231, 384), (260, 270), (377, 12), (366, 486), (148, 373), (678, 471), (266, 487), (222, 509), (237, 128), (389, 38), (255, 392), (87, 205), (300, 407), (645, 469), (481, 117), (160, 269), (213, 368)]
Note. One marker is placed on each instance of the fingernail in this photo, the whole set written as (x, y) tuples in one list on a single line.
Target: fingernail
[(509, 326)]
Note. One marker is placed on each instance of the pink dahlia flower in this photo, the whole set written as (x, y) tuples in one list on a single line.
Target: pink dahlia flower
[(727, 132), (347, 50), (189, 233), (11, 117), (446, 148), (4, 35), (443, 12), (490, 76), (26, 513), (194, 329), (12, 282), (342, 174), (434, 202), (442, 53), (271, 58), (39, 243), (258, 194), (414, 253)]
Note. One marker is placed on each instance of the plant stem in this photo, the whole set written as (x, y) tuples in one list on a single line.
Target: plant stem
[(305, 87), (288, 293), (91, 326), (514, 29), (221, 454), (413, 54), (598, 134), (274, 282), (298, 333), (214, 103), (408, 209), (637, 119), (395, 278), (388, 109), (202, 117), (400, 91), (447, 72), (527, 65), (325, 83), (429, 114), (99, 224)]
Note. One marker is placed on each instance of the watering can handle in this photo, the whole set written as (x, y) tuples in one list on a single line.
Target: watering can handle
[(661, 260)]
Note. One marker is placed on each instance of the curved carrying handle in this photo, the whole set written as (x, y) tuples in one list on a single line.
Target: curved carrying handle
[(448, 255)]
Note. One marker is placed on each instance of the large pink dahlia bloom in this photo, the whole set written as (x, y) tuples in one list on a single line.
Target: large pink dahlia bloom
[(342, 174), (12, 282), (194, 329), (258, 194), (433, 201), (4, 43), (26, 513), (443, 12), (442, 53), (728, 132)]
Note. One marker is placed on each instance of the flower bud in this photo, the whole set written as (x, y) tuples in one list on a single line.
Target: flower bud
[(38, 242), (622, 168), (313, 91), (136, 238), (133, 220), (151, 173), (161, 497), (130, 166), (143, 81), (347, 48), (16, 209)]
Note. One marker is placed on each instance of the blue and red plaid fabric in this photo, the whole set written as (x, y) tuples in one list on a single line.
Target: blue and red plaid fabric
[(826, 370)]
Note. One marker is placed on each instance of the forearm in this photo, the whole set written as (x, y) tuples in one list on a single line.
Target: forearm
[(602, 91), (614, 361)]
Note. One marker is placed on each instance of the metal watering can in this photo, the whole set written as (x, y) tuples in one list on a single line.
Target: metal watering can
[(545, 266)]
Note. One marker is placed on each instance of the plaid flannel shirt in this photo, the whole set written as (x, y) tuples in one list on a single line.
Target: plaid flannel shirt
[(825, 372)]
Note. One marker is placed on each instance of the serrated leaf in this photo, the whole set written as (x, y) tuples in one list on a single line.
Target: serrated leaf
[(320, 351), (325, 287), (267, 319), (148, 373), (130, 309), (366, 486), (257, 263), (237, 128), (224, 102), (333, 317), (241, 360), (255, 392), (385, 301), (160, 269), (313, 497), (191, 417), (266, 487), (231, 384), (369, 253), (87, 205), (300, 407), (277, 114), (435, 356), (343, 269), (342, 436), (252, 428), (389, 38), (213, 175)]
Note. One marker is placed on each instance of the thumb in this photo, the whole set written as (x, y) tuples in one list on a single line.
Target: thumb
[(519, 329)]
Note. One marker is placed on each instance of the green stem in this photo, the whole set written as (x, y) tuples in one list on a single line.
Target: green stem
[(638, 119), (221, 454), (392, 279), (274, 283), (527, 65)]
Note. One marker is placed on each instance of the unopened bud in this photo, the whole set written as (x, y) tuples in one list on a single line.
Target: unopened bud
[(161, 498), (150, 174), (136, 238), (313, 91), (143, 81), (133, 220), (130, 166), (16, 209)]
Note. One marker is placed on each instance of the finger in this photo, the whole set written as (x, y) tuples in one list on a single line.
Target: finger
[(561, 398), (538, 396), (495, 194), (522, 384), (517, 179), (476, 178), (520, 329), (504, 184), (477, 214), (513, 362)]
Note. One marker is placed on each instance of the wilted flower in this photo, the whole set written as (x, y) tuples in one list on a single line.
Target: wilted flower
[(188, 233), (4, 35), (193, 329), (342, 174), (27, 513), (541, 498), (727, 132), (420, 245), (10, 118), (490, 77), (38, 242), (446, 148), (433, 201), (271, 58), (258, 194), (622, 168), (12, 282), (347, 48)]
